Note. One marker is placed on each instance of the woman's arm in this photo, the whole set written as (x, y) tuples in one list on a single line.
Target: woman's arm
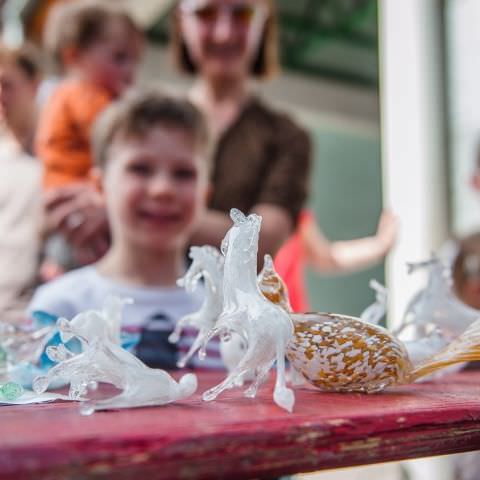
[(344, 256)]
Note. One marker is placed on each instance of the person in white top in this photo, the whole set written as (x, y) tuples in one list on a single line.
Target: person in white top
[(20, 178), (150, 152)]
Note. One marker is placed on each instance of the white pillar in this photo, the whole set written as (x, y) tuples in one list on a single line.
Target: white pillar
[(463, 18), (413, 153), (412, 136)]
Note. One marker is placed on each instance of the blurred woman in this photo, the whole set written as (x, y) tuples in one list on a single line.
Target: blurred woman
[(262, 158)]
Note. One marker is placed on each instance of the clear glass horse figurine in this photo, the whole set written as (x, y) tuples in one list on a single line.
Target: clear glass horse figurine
[(435, 306), (104, 360), (274, 289), (265, 327), (207, 262), (103, 324), (377, 310), (418, 348)]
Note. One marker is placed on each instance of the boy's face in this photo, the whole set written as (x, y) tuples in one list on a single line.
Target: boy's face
[(155, 189), (112, 61)]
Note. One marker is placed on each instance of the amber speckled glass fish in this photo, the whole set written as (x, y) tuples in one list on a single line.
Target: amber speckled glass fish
[(344, 354)]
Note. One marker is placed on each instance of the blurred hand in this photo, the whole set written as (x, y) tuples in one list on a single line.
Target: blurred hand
[(77, 212)]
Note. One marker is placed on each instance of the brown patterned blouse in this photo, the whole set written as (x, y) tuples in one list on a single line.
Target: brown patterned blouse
[(264, 157)]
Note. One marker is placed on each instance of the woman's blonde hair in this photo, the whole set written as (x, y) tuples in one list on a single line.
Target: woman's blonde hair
[(265, 64)]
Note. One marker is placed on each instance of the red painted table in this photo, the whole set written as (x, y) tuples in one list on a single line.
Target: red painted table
[(240, 438)]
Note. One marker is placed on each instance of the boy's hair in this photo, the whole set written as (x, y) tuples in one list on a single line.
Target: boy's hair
[(265, 64), (80, 24), (467, 261), (25, 57), (137, 113)]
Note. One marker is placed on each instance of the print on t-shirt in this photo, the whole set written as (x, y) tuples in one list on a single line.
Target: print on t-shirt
[(154, 349)]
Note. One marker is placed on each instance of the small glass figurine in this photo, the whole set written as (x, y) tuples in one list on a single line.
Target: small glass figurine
[(10, 391), (435, 305), (104, 360), (23, 347), (274, 289), (104, 324), (207, 262), (332, 352), (377, 310), (418, 347), (345, 354), (24, 344), (265, 327)]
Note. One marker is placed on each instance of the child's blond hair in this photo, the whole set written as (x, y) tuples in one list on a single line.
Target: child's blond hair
[(81, 23)]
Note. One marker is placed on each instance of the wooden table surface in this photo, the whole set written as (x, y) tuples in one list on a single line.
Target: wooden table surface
[(239, 438)]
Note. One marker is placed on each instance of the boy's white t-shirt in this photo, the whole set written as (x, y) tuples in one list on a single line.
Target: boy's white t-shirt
[(154, 309)]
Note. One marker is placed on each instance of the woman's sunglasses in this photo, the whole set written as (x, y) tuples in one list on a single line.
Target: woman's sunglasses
[(241, 13)]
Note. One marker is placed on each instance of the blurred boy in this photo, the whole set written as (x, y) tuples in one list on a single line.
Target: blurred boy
[(97, 48), (151, 154)]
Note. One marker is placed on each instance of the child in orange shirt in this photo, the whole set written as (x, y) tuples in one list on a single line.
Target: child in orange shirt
[(97, 47)]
